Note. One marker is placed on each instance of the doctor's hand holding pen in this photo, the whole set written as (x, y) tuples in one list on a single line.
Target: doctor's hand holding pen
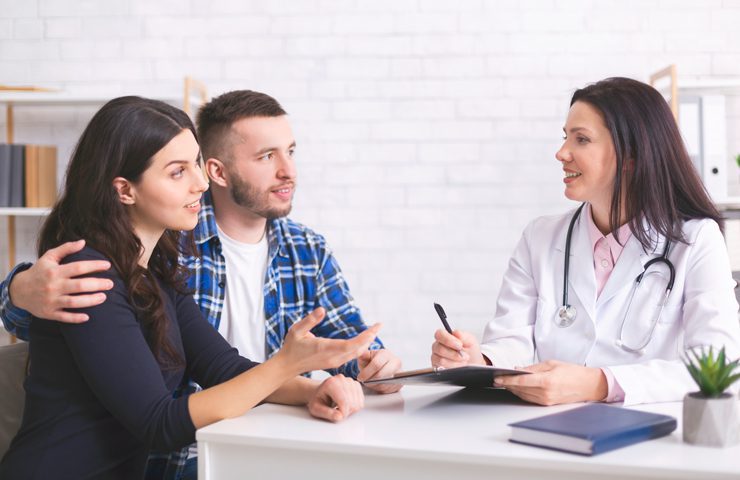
[(454, 348)]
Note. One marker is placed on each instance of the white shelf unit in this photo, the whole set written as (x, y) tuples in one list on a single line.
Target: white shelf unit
[(24, 212), (673, 86), (194, 94)]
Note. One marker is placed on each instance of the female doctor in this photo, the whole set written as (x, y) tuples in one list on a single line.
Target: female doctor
[(600, 303)]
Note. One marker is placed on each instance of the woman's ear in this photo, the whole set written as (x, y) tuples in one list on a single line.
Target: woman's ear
[(216, 171), (125, 190)]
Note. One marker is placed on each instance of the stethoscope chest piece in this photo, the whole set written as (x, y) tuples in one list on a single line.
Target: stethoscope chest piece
[(566, 316)]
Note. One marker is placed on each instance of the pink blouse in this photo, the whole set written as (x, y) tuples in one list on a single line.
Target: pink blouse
[(606, 253)]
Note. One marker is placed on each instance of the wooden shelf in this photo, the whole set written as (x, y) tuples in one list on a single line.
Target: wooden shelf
[(24, 211), (67, 98), (709, 84)]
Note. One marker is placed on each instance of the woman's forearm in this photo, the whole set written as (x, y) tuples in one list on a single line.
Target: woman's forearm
[(243, 392), (296, 391)]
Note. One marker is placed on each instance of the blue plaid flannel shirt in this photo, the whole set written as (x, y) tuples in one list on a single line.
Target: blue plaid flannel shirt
[(302, 275)]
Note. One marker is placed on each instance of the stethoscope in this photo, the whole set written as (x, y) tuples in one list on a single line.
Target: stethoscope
[(567, 313)]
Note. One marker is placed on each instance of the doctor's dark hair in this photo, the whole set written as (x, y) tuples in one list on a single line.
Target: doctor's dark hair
[(663, 188), (216, 117), (120, 141)]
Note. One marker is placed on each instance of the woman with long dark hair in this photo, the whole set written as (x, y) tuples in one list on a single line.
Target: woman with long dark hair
[(600, 303), (99, 395)]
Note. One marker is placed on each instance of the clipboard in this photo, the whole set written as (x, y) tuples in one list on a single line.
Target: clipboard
[(476, 376)]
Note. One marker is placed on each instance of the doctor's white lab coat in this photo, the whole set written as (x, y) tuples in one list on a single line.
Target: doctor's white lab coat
[(700, 311)]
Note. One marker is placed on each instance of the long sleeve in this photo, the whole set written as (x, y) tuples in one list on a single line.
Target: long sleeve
[(96, 387), (708, 318), (508, 339), (15, 320), (119, 367)]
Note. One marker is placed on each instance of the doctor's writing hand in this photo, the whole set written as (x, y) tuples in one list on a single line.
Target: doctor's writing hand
[(455, 350), (48, 288), (337, 398), (553, 382), (378, 364), (305, 352)]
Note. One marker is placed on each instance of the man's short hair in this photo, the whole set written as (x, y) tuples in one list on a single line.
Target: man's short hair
[(216, 117)]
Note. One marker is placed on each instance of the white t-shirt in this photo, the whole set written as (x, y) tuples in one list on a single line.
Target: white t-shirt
[(243, 317)]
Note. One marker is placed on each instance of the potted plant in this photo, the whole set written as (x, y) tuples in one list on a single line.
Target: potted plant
[(711, 416)]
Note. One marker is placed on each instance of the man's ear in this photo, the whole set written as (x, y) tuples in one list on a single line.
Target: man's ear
[(216, 171), (125, 191)]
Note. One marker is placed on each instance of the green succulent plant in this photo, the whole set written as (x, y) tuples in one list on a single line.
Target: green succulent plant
[(737, 159), (712, 374)]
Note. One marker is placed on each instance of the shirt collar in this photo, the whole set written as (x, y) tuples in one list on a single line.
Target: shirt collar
[(595, 235), (276, 237), (206, 229)]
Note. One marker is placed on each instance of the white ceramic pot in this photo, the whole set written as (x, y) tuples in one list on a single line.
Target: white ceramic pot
[(713, 422)]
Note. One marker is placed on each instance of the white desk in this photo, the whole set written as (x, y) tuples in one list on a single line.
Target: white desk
[(434, 433)]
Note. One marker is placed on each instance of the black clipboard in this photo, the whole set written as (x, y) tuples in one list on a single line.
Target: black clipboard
[(476, 376)]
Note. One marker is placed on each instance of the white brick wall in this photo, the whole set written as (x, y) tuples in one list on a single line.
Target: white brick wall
[(426, 128)]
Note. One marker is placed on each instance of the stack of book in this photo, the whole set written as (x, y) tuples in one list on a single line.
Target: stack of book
[(28, 175)]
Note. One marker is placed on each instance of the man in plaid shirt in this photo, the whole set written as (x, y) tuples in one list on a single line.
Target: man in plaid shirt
[(284, 269)]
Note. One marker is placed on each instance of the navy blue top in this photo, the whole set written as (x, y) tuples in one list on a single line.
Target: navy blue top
[(97, 400)]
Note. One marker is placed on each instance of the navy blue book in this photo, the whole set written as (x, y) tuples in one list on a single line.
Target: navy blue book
[(17, 175), (5, 177), (592, 429)]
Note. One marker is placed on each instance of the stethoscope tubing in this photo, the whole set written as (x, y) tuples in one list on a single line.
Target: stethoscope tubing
[(567, 313)]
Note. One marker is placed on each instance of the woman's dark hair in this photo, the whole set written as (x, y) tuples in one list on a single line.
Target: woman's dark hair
[(663, 188), (120, 141)]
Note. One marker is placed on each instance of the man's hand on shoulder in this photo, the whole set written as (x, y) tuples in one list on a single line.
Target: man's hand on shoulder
[(48, 287)]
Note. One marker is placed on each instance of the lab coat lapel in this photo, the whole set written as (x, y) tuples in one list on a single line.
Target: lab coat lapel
[(582, 278), (628, 267)]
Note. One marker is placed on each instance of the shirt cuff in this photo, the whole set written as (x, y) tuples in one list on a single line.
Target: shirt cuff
[(5, 300), (614, 391)]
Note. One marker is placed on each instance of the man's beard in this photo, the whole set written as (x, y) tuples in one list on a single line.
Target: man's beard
[(247, 196)]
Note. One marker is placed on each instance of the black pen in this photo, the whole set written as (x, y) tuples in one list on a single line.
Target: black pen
[(443, 317)]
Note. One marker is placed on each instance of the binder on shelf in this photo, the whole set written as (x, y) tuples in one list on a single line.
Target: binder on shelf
[(41, 181), (4, 175), (592, 429), (32, 175), (47, 176), (17, 170)]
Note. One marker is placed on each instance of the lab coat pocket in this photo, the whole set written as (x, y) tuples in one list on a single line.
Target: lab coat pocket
[(668, 335), (672, 313)]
